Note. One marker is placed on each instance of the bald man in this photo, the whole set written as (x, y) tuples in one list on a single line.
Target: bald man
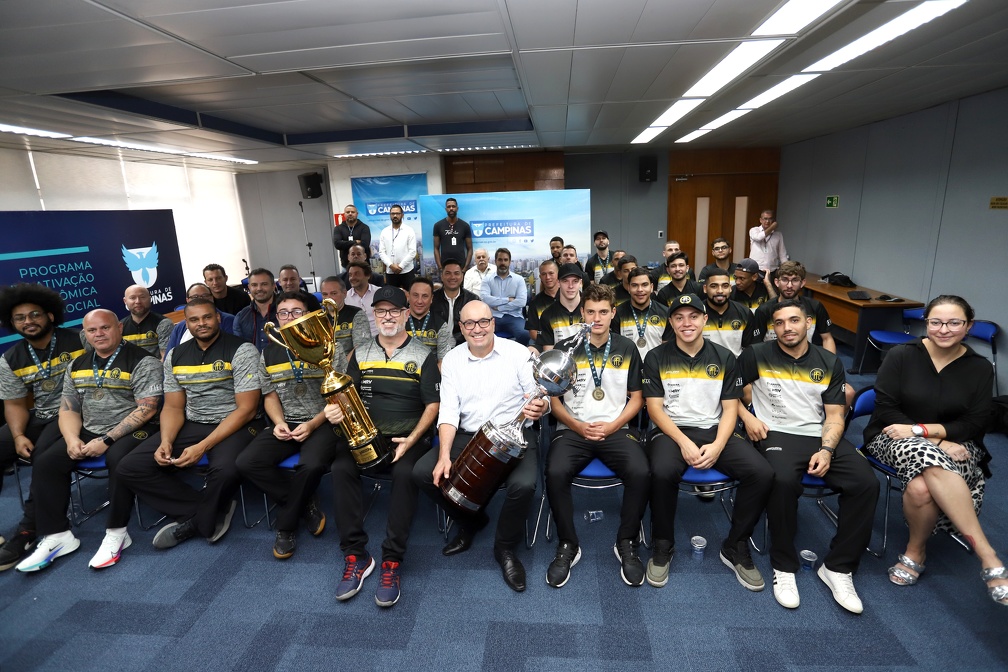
[(142, 327)]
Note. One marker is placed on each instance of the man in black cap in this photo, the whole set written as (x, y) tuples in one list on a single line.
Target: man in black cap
[(751, 289), (560, 320), (597, 265)]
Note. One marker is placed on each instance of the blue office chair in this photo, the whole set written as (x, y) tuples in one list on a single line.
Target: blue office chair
[(986, 331), (883, 340)]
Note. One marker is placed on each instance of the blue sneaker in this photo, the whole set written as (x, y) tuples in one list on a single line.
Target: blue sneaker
[(388, 586), (354, 573), (48, 549)]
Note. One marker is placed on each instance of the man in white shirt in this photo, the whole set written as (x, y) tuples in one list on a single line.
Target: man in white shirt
[(474, 277), (766, 244), (361, 292), (397, 250)]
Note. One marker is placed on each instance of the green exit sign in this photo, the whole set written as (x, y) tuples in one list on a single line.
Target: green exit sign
[(832, 201)]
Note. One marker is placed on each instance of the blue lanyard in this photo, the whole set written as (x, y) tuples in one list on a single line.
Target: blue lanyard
[(423, 327), (299, 370), (100, 379), (46, 370), (597, 376), (640, 326)]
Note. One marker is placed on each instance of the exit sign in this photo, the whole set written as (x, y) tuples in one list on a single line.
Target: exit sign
[(832, 201)]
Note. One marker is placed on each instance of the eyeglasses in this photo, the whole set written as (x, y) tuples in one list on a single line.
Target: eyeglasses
[(471, 324), (198, 296), (392, 312), (720, 248), (21, 317), (789, 281), (953, 325), (297, 312)]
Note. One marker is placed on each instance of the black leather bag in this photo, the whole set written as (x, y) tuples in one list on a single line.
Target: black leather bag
[(839, 279)]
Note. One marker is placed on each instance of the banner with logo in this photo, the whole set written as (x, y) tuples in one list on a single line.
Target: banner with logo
[(91, 257), (522, 221), (373, 196)]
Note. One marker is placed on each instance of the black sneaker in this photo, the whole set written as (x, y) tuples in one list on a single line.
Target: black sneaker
[(284, 545), (173, 534), (739, 560), (567, 555), (631, 567), (314, 518), (16, 548)]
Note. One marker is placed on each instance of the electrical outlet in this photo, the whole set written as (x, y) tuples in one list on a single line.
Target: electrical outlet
[(661, 234)]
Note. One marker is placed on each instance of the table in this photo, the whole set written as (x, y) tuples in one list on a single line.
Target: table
[(859, 317)]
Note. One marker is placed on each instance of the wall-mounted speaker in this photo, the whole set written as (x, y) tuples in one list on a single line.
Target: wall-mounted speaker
[(311, 184), (648, 168)]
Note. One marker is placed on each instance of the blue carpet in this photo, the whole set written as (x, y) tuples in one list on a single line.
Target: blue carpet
[(232, 606)]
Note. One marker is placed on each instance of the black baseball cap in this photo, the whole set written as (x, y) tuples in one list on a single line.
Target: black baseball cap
[(688, 301), (568, 270), (390, 294)]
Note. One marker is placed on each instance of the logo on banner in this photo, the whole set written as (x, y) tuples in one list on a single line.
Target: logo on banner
[(503, 228), (383, 207), (142, 263)]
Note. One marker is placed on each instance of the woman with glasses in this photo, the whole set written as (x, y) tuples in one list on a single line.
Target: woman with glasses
[(933, 397)]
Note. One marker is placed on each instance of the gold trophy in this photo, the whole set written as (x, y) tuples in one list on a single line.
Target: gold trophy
[(310, 338)]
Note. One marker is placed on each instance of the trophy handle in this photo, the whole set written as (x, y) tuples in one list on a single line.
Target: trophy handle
[(329, 303), (268, 328)]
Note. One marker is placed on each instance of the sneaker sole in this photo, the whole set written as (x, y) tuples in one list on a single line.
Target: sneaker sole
[(386, 605), (745, 584), (282, 556), (118, 556), (321, 529), (577, 556), (367, 573), (829, 585), (65, 549), (654, 582), (226, 525), (14, 563), (622, 575)]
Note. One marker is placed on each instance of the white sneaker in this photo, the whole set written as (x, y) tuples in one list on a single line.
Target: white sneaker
[(110, 550), (785, 590), (842, 586), (48, 549)]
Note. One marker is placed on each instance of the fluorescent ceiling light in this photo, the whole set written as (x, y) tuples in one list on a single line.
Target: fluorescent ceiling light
[(647, 135), (21, 130), (794, 16), (689, 137), (788, 85), (126, 145), (724, 119), (677, 111), (494, 147), (365, 154), (741, 58), (214, 157), (902, 24)]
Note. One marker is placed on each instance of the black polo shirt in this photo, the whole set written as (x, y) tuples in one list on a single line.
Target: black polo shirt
[(691, 388)]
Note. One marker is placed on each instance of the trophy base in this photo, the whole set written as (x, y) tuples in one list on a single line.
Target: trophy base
[(372, 452)]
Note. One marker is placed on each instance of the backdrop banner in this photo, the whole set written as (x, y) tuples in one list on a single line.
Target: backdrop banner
[(91, 257), (373, 196), (522, 221)]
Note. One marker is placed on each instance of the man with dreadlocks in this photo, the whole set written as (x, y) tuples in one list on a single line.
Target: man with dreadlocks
[(31, 368)]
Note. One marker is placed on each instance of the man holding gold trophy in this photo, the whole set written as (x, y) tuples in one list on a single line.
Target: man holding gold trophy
[(398, 380)]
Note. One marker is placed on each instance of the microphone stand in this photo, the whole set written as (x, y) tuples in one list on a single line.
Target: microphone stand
[(308, 244)]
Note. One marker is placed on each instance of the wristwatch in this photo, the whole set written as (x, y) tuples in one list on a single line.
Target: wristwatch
[(919, 430), (107, 440)]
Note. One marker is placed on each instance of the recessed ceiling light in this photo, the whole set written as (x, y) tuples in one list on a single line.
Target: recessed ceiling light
[(724, 119), (773, 93), (677, 111), (740, 59), (21, 130), (648, 134), (795, 16), (693, 136)]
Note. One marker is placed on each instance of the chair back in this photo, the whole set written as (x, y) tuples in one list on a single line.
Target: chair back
[(984, 330)]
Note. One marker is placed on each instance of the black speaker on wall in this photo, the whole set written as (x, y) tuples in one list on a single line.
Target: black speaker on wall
[(311, 184), (648, 168)]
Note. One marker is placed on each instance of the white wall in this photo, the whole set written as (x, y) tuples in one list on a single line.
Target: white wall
[(204, 202), (914, 216)]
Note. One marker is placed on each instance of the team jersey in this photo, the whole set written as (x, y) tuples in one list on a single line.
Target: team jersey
[(19, 373), (622, 294), (761, 327), (539, 304), (669, 293), (727, 328), (758, 298), (620, 374), (395, 390), (348, 325), (106, 401), (709, 268), (557, 323), (211, 378), (151, 333), (433, 331), (660, 277), (635, 324), (788, 394), (279, 371), (691, 388), (596, 267)]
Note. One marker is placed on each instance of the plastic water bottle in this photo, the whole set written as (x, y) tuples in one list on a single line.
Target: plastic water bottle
[(594, 515)]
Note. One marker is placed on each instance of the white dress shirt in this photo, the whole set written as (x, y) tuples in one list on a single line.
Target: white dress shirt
[(473, 278), (766, 250), (397, 246)]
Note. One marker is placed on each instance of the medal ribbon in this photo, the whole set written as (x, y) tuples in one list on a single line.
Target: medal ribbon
[(46, 370), (597, 376), (100, 379), (641, 325), (423, 327), (298, 370)]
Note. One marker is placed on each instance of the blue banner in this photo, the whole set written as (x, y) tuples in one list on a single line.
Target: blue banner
[(522, 221), (373, 196), (91, 257)]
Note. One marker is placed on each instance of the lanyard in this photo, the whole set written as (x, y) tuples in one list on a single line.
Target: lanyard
[(423, 327), (597, 376), (606, 266), (299, 370), (46, 370), (641, 325), (100, 379)]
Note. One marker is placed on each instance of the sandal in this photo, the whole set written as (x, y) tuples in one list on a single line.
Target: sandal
[(901, 577), (998, 593)]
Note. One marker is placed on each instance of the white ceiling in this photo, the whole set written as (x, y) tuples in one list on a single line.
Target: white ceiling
[(289, 83)]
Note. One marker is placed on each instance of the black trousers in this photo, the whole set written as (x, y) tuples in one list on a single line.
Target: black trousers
[(42, 433), (291, 490), (520, 488), (400, 280), (569, 453), (165, 489), (849, 474), (51, 482), (740, 460), (349, 501)]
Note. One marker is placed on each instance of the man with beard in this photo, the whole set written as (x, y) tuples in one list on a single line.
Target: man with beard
[(293, 401), (180, 332), (452, 238), (358, 253), (726, 320), (450, 299), (428, 327), (722, 260), (678, 269), (506, 294), (351, 231), (611, 279), (350, 323), (397, 250), (250, 320), (641, 319), (598, 265), (32, 367), (477, 275), (211, 390), (398, 381), (621, 288), (750, 290), (110, 395), (797, 392), (143, 328), (661, 276), (227, 299), (548, 271), (790, 281)]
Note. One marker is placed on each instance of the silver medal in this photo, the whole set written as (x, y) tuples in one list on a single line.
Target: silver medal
[(300, 389)]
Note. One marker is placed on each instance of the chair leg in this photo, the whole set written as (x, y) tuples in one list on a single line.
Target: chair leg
[(266, 508), (145, 528), (375, 491), (535, 530), (17, 479), (958, 538)]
